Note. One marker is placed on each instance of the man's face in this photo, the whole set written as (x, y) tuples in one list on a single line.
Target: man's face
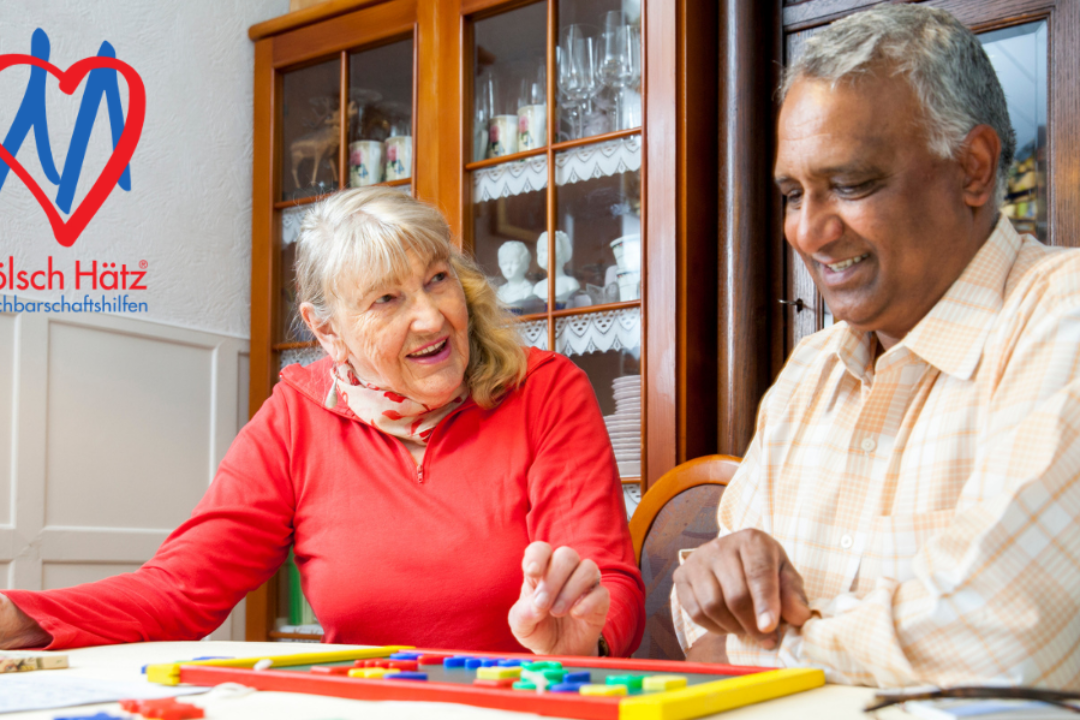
[(879, 221)]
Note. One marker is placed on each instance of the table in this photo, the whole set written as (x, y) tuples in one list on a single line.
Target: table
[(123, 662)]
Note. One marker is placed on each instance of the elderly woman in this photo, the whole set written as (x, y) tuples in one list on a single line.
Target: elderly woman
[(424, 471)]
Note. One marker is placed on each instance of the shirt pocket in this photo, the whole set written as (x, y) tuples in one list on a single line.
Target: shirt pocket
[(894, 541)]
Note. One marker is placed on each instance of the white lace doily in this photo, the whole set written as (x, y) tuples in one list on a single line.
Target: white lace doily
[(291, 218), (534, 333), (581, 163), (599, 332)]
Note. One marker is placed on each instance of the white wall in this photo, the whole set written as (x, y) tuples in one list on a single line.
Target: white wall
[(111, 427), (189, 211)]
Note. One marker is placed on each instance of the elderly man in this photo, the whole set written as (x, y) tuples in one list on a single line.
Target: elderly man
[(908, 510)]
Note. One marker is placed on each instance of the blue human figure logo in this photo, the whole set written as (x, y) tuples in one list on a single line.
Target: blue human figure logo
[(101, 83)]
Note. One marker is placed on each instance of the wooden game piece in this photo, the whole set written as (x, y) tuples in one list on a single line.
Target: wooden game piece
[(370, 673), (565, 687), (407, 656), (407, 676), (431, 659), (603, 690), (579, 677), (497, 682), (98, 716), (657, 683), (512, 662), (164, 709), (632, 682), (498, 673), (27, 661), (454, 662), (331, 669), (524, 685)]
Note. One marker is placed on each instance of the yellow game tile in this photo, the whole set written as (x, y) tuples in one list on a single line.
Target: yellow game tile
[(659, 683)]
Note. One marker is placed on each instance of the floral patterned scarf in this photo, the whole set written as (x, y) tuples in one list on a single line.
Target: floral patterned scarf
[(385, 410)]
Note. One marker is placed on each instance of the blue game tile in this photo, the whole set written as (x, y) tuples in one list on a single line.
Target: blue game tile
[(510, 663), (454, 662), (406, 676), (489, 662), (405, 655), (578, 677), (473, 663), (213, 657), (99, 716), (566, 687)]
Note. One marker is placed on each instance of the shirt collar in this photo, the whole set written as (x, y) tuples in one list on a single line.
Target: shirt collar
[(952, 335)]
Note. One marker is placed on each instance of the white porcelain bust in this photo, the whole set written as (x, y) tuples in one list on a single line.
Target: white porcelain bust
[(514, 259), (565, 286)]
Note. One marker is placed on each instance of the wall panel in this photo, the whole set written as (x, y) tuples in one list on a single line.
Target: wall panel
[(62, 575), (128, 430), (110, 431)]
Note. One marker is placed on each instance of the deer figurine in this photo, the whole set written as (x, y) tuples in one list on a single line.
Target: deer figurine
[(321, 142)]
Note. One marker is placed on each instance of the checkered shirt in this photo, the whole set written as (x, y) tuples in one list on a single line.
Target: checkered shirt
[(931, 499)]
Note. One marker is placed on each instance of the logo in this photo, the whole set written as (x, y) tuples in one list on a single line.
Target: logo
[(100, 73)]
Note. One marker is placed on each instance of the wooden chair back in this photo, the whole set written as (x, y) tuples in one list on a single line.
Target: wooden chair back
[(678, 512)]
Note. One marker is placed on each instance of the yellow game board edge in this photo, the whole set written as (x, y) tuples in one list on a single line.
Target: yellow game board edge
[(169, 673), (713, 697)]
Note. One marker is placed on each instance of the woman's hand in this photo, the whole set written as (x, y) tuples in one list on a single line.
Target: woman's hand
[(563, 606), (19, 630)]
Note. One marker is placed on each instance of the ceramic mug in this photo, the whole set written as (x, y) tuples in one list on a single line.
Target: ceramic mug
[(532, 122), (398, 150), (627, 251), (365, 163), (502, 136)]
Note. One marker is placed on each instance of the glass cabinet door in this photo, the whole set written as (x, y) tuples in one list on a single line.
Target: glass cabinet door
[(377, 84), (554, 217)]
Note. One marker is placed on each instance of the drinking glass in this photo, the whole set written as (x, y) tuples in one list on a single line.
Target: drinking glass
[(577, 72), (617, 64)]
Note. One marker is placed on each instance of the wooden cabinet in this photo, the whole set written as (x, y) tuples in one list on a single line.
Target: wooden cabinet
[(584, 225)]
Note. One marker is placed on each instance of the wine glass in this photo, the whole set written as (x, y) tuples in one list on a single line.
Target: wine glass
[(577, 72), (617, 62)]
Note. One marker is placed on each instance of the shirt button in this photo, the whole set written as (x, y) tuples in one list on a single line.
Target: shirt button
[(846, 542), (868, 445)]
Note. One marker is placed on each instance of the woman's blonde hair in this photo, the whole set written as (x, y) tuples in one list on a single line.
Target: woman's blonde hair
[(367, 234)]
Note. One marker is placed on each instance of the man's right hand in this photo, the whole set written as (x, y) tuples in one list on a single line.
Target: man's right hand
[(19, 630), (744, 584)]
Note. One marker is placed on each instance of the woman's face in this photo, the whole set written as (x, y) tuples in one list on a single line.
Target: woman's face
[(410, 336)]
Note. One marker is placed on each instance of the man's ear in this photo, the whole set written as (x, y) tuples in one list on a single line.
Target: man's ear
[(979, 163), (325, 332)]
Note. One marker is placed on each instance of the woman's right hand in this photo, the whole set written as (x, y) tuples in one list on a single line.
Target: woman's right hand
[(19, 630)]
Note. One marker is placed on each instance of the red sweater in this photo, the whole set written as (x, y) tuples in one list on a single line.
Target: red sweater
[(387, 555)]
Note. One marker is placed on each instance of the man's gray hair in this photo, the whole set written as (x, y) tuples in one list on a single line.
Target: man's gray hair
[(942, 60)]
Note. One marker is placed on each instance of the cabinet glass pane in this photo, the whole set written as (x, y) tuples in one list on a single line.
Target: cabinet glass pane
[(598, 205), (290, 327), (509, 205), (310, 130), (607, 346), (380, 114), (1019, 55), (598, 67), (509, 99)]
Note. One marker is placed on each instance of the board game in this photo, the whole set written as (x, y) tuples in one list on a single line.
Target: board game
[(570, 687)]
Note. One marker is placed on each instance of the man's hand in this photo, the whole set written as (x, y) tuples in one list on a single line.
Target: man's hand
[(19, 630), (563, 606), (744, 584)]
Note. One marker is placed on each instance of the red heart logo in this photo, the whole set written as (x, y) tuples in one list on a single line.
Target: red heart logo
[(67, 233)]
